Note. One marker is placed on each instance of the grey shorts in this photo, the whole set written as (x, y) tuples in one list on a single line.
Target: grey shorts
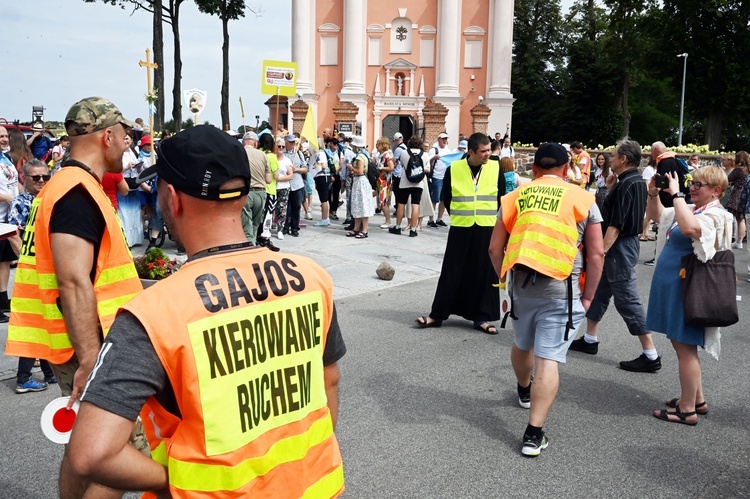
[(541, 325)]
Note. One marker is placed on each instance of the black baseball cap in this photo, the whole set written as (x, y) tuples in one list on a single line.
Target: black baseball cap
[(198, 160), (551, 155)]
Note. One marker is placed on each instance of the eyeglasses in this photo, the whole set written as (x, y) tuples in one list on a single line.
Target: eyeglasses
[(698, 185), (37, 178), (279, 147)]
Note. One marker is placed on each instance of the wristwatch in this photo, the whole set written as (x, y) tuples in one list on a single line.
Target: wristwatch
[(678, 195)]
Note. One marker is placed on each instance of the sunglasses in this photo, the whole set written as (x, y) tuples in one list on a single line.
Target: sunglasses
[(37, 178)]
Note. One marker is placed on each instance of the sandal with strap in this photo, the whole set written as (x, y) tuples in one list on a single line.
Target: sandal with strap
[(486, 328), (361, 235), (352, 233), (423, 323), (701, 408), (682, 417)]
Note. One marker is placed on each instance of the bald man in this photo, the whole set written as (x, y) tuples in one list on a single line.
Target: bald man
[(73, 234)]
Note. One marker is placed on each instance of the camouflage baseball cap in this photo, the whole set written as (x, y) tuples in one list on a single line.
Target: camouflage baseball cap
[(92, 114)]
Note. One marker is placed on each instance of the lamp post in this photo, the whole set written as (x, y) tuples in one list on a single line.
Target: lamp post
[(682, 100)]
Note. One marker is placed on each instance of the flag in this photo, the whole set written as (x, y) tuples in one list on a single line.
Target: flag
[(450, 158), (310, 132), (309, 129)]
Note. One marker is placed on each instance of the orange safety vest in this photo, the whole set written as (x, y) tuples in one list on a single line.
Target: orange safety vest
[(241, 336), (585, 170), (37, 328), (541, 218)]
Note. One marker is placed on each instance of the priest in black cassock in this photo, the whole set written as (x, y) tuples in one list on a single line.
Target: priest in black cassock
[(471, 193)]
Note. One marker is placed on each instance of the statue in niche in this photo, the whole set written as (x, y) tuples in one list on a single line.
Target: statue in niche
[(400, 85)]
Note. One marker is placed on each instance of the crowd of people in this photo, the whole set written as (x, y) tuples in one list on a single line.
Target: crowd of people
[(186, 364)]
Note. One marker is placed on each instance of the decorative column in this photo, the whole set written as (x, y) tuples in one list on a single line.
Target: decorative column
[(434, 121), (299, 113), (377, 126), (303, 44), (448, 65), (448, 49), (411, 83), (480, 115), (499, 60), (355, 25)]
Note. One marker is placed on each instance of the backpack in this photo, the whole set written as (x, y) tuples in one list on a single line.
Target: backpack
[(373, 172), (510, 181), (414, 170)]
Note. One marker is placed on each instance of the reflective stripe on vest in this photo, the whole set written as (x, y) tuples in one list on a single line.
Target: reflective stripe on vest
[(37, 328), (470, 206), (242, 341), (541, 218)]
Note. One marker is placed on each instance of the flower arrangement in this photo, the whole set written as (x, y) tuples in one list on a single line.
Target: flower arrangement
[(152, 96), (155, 264)]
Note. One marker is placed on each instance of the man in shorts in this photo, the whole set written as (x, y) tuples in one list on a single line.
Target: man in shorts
[(539, 229), (75, 269)]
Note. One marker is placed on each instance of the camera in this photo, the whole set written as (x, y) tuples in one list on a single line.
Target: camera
[(661, 181)]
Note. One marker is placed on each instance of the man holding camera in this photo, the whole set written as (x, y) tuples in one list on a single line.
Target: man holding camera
[(623, 212)]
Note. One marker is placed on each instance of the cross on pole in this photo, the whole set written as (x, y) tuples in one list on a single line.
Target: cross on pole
[(149, 66)]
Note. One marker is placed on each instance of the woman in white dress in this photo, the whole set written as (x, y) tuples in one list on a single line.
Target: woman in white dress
[(129, 207), (363, 202)]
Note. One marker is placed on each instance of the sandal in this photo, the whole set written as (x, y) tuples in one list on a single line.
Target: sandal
[(352, 233), (423, 323), (682, 417), (486, 328), (699, 408), (361, 235), (647, 238)]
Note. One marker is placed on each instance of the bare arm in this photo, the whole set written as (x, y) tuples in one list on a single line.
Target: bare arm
[(498, 242), (122, 187), (99, 452), (653, 204), (73, 257), (331, 379), (610, 237), (683, 215), (594, 243)]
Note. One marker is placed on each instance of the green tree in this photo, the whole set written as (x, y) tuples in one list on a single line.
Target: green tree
[(535, 77), (716, 38), (226, 10)]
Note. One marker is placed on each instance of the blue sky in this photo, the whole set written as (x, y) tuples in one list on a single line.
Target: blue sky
[(55, 52)]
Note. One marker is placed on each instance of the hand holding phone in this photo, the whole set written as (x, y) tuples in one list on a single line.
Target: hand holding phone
[(661, 181)]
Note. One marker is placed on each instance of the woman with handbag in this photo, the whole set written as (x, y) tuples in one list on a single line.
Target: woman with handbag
[(702, 229)]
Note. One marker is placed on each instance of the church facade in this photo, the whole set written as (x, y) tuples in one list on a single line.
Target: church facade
[(412, 66)]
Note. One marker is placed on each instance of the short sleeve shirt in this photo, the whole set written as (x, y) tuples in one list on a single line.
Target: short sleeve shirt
[(625, 205)]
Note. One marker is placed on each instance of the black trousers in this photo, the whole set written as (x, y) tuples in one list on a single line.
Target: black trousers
[(292, 212), (335, 192)]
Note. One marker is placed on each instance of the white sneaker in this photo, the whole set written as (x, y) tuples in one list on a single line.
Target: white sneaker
[(736, 245), (280, 235), (308, 216), (385, 226)]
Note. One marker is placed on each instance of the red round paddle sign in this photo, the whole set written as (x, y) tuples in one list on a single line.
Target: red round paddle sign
[(63, 420)]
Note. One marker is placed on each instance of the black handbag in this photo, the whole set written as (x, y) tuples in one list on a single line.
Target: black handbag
[(709, 290)]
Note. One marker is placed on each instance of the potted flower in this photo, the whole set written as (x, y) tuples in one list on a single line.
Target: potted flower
[(154, 266)]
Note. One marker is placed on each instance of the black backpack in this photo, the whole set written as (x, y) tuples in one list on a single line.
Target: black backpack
[(373, 172), (414, 170)]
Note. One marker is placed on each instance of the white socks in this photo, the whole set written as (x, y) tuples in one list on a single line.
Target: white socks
[(651, 354), (590, 339)]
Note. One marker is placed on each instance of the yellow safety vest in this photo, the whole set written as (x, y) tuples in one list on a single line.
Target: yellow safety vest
[(541, 218), (37, 328), (472, 204)]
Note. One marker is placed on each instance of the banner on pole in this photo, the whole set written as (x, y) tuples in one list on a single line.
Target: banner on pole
[(195, 100), (279, 77)]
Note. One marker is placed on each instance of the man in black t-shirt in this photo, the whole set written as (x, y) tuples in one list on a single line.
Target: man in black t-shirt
[(623, 212)]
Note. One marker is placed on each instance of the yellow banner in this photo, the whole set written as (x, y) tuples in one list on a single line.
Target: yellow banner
[(279, 77), (259, 368)]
